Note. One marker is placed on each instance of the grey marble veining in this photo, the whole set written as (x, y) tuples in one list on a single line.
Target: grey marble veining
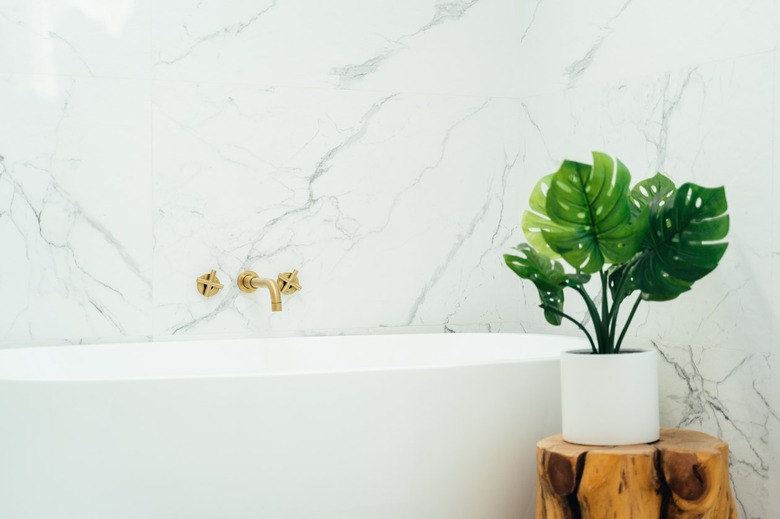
[(726, 394), (83, 274), (444, 11), (231, 30), (575, 70), (572, 44), (353, 177)]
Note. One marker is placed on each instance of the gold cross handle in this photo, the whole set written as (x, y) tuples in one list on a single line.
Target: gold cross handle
[(208, 284), (288, 282)]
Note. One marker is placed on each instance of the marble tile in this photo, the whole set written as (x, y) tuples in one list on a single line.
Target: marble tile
[(776, 22), (466, 47), (75, 211), (76, 38), (204, 334), (709, 125), (454, 46), (775, 276), (572, 44), (769, 390), (383, 330), (731, 394), (391, 206), (537, 327)]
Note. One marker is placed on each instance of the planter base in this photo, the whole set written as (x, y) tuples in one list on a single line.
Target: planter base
[(609, 399), (683, 475)]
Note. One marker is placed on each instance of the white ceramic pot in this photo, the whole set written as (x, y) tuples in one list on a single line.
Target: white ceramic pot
[(610, 399)]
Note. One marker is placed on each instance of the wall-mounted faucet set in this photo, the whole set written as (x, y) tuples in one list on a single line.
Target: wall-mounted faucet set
[(286, 283)]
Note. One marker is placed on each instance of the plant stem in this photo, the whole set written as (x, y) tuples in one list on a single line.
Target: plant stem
[(616, 302), (628, 323), (605, 310), (570, 318), (613, 317), (620, 295), (594, 315)]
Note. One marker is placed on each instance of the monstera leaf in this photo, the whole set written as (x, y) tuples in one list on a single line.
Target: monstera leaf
[(656, 239), (619, 287), (656, 190), (682, 242), (548, 276), (536, 219), (652, 192), (586, 216)]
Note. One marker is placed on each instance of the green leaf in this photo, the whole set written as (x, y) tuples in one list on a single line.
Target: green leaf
[(652, 190), (586, 216), (683, 241), (616, 281), (644, 198), (548, 276), (578, 279), (536, 221)]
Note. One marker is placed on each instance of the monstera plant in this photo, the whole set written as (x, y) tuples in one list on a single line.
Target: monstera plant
[(654, 240)]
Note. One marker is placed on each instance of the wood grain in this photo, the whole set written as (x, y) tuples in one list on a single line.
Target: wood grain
[(683, 475)]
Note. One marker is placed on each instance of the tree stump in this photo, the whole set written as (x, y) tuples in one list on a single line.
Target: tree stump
[(684, 475)]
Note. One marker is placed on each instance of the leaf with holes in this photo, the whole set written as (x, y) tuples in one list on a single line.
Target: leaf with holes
[(548, 276), (586, 217), (683, 241), (620, 288), (536, 220), (654, 238), (646, 196), (656, 190)]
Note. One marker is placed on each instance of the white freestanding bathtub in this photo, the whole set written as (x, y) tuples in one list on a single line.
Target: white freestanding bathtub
[(379, 427)]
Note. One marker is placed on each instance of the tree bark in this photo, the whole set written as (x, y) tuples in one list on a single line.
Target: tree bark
[(684, 475)]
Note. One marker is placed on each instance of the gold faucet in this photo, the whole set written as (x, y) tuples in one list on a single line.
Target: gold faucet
[(286, 283)]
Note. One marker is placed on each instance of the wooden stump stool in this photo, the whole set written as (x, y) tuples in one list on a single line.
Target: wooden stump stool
[(683, 475)]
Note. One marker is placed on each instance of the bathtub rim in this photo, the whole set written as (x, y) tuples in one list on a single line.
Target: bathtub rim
[(553, 355)]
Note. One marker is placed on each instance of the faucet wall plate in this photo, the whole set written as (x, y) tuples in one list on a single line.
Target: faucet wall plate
[(208, 284), (288, 282), (245, 281)]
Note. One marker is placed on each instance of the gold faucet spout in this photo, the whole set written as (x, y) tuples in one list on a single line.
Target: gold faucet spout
[(249, 282)]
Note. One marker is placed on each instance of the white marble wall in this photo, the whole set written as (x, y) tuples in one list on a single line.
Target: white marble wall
[(369, 144), (386, 150)]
